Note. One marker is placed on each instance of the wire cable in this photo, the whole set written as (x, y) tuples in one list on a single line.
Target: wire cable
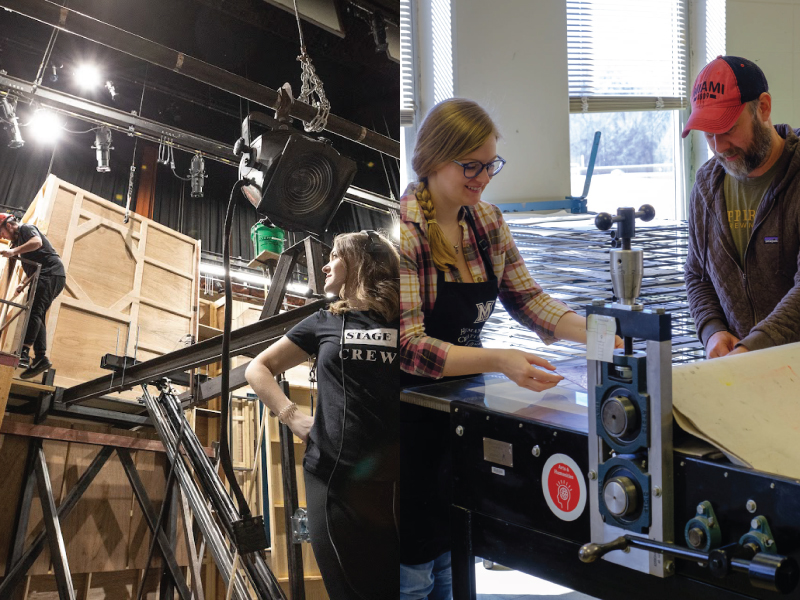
[(224, 446)]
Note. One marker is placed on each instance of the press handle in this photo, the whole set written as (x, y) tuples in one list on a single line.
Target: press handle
[(591, 552)]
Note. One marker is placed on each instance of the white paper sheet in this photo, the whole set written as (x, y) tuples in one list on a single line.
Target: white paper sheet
[(600, 332)]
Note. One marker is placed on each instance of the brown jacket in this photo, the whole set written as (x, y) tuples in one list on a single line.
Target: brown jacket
[(758, 302)]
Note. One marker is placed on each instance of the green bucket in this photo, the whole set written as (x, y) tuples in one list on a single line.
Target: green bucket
[(267, 238)]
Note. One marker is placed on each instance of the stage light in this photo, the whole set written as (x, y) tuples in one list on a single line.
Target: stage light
[(111, 89), (45, 126), (197, 172), (12, 123), (87, 76), (295, 180), (378, 26), (103, 148), (53, 68)]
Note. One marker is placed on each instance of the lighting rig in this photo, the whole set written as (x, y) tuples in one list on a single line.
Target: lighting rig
[(102, 147), (12, 122)]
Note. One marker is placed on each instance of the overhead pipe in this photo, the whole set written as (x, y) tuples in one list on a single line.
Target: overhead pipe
[(141, 127), (113, 37)]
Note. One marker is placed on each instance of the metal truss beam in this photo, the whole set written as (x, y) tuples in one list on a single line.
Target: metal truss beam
[(245, 340), (118, 120), (152, 521), (29, 557)]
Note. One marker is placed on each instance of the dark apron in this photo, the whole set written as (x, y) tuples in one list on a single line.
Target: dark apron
[(457, 317)]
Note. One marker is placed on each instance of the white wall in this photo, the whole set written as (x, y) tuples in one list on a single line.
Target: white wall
[(768, 33), (511, 57)]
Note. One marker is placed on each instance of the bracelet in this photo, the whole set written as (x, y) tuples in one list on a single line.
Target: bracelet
[(287, 412)]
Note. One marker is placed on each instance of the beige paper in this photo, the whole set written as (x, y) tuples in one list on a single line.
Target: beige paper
[(748, 405)]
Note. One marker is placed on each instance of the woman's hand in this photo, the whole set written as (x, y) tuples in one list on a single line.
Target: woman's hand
[(301, 424), (519, 367), (618, 343)]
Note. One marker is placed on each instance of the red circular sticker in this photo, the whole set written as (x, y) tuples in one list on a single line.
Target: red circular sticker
[(563, 486)]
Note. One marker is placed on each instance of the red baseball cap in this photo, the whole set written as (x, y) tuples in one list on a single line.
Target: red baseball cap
[(5, 217), (720, 92)]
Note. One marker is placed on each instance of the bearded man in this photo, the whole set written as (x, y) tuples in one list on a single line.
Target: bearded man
[(742, 276)]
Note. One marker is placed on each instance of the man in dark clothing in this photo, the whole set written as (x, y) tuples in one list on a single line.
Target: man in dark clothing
[(742, 275), (29, 243)]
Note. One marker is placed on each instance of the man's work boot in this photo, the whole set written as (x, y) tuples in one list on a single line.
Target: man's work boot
[(40, 365)]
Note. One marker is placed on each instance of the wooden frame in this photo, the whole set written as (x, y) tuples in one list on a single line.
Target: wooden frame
[(131, 288)]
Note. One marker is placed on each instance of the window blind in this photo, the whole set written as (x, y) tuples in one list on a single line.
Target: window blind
[(407, 76), (626, 55), (715, 29)]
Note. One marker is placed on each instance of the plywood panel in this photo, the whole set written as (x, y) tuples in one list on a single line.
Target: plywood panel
[(167, 289), (114, 585), (167, 248), (151, 470), (110, 211), (80, 340), (60, 218), (13, 452), (96, 532), (6, 372), (115, 283), (161, 331), (244, 313)]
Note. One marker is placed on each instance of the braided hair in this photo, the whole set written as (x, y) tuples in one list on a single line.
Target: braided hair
[(452, 129)]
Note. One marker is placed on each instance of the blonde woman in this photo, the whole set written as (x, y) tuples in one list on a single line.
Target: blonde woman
[(351, 462), (457, 259)]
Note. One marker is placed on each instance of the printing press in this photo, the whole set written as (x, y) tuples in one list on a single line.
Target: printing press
[(591, 486)]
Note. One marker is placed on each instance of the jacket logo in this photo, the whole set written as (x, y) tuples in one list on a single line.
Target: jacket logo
[(771, 239), (707, 89), (484, 311)]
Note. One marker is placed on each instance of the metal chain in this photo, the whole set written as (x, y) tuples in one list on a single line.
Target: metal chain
[(311, 85)]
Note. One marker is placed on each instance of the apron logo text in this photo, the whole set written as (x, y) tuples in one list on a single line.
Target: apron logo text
[(484, 310)]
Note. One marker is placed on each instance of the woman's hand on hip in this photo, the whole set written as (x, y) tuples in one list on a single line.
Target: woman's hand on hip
[(521, 368), (301, 424)]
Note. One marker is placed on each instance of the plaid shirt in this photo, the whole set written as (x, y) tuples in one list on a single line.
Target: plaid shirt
[(520, 294)]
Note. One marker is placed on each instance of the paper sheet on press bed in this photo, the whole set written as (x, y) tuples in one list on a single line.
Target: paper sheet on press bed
[(747, 405)]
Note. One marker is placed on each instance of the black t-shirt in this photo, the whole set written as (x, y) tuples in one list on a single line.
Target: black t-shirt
[(370, 447), (44, 255)]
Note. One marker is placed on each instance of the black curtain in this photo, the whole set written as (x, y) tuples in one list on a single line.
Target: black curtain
[(24, 170)]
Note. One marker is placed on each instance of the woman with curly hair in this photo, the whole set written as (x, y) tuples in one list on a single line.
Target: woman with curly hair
[(351, 461)]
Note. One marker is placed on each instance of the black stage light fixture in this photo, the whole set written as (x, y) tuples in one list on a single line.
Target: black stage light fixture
[(12, 123), (295, 180), (112, 91), (197, 173), (378, 27), (54, 68), (102, 147)]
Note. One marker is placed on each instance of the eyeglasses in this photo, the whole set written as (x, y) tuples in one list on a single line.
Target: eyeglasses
[(475, 168)]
